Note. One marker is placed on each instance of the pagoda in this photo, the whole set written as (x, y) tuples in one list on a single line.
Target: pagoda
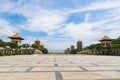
[(37, 42), (106, 41), (16, 38)]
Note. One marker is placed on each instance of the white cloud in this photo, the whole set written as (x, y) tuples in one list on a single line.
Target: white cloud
[(30, 40), (46, 21), (98, 6), (114, 33), (87, 17), (38, 17), (91, 32), (5, 28), (82, 31)]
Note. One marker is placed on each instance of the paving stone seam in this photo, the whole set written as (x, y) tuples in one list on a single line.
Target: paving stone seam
[(58, 75), (93, 79), (55, 63), (30, 68), (13, 65), (109, 79), (84, 69), (27, 71), (41, 61), (71, 62), (94, 64)]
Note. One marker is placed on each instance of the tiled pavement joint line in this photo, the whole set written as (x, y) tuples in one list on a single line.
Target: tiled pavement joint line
[(102, 62), (58, 75), (55, 64), (94, 64), (30, 68), (41, 61), (28, 71), (109, 79), (118, 71), (13, 65), (84, 69), (2, 63), (54, 59), (71, 62), (66, 59), (93, 79)]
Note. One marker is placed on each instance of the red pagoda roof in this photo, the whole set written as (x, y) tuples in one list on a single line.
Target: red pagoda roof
[(106, 38), (16, 36)]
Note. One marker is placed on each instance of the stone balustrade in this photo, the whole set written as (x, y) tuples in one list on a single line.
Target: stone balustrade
[(16, 52), (101, 52)]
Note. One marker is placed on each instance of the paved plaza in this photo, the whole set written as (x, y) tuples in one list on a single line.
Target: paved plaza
[(59, 67)]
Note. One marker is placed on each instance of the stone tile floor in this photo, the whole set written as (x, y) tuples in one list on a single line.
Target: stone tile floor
[(59, 67)]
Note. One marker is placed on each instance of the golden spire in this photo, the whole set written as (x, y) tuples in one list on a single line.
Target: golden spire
[(79, 40), (72, 45), (37, 40)]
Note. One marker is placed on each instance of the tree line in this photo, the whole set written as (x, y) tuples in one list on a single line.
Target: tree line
[(13, 45), (115, 45)]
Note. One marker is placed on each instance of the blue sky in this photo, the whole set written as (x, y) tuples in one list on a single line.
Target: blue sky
[(60, 23)]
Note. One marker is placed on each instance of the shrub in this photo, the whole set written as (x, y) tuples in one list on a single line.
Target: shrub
[(73, 51), (44, 50)]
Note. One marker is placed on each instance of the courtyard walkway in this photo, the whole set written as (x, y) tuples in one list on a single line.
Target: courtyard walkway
[(59, 67)]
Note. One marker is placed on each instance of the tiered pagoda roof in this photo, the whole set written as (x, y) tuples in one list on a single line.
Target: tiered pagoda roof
[(106, 38), (16, 36)]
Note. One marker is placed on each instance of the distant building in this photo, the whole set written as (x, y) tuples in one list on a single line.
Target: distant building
[(37, 42), (41, 46), (79, 46), (105, 41), (65, 50), (68, 49), (16, 38), (72, 47)]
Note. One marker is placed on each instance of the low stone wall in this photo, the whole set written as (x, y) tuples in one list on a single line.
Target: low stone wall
[(110, 51), (4, 52), (101, 52)]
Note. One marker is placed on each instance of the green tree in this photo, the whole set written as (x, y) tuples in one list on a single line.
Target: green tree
[(35, 46), (2, 44), (94, 47), (44, 50), (12, 45), (73, 51), (98, 47), (25, 46), (115, 46), (116, 41)]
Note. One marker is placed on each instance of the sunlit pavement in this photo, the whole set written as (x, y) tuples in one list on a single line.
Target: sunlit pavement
[(59, 67)]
